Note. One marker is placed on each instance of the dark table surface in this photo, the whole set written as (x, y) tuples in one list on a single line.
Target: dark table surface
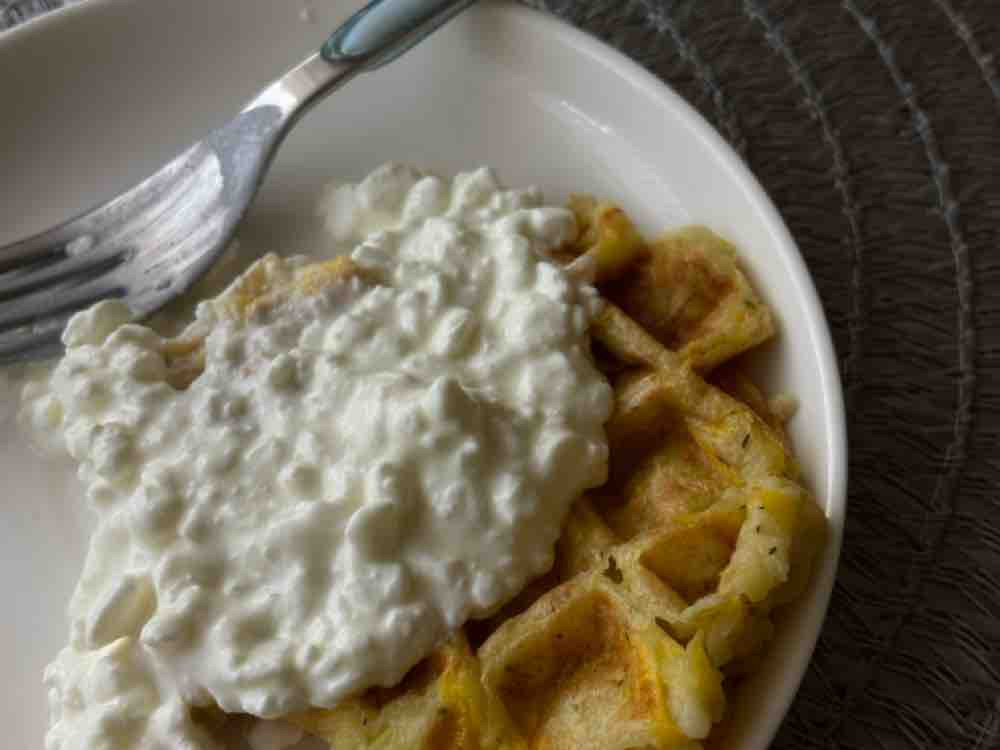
[(875, 127)]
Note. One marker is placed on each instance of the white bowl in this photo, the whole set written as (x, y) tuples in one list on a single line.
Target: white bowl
[(105, 91)]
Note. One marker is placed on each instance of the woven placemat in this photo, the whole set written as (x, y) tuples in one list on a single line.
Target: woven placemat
[(875, 126)]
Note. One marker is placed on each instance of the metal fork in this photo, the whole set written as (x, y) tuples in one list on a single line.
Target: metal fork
[(151, 243)]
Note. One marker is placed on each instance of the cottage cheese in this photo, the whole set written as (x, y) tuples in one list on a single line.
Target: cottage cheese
[(354, 474)]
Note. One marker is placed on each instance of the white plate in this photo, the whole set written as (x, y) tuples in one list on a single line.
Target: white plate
[(106, 90)]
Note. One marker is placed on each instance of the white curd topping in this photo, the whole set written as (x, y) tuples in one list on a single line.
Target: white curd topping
[(354, 474)]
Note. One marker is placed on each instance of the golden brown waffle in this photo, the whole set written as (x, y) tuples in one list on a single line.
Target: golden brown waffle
[(440, 703), (684, 288), (666, 577)]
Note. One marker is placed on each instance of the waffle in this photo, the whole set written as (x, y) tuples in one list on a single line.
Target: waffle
[(441, 703), (685, 288), (666, 577)]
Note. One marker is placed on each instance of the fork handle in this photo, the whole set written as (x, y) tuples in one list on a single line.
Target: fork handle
[(375, 35), (385, 29)]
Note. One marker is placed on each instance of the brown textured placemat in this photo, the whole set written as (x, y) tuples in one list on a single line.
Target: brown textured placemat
[(875, 127)]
